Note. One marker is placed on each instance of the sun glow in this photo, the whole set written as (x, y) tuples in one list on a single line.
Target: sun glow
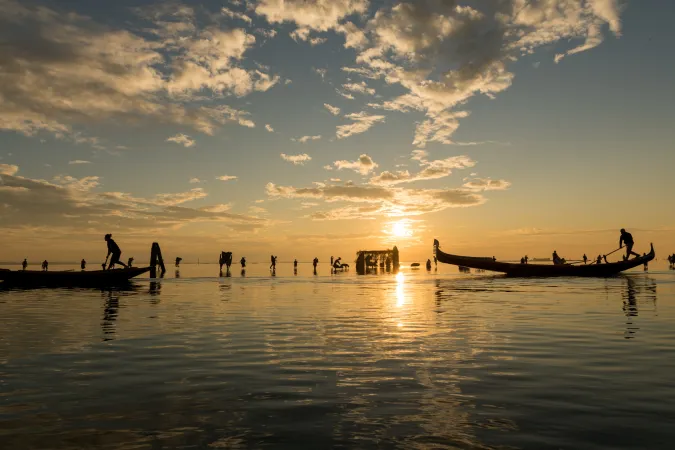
[(401, 229)]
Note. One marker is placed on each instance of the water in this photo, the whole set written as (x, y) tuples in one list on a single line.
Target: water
[(417, 360)]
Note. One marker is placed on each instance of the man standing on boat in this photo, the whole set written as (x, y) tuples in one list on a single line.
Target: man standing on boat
[(627, 238), (114, 250)]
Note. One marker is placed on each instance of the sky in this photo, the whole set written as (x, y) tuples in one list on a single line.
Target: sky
[(306, 128)]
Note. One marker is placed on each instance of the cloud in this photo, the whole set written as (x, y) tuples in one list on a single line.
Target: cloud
[(79, 161), (486, 184), (236, 15), (361, 88), (364, 165), (430, 170), (309, 16), (334, 110), (269, 128), (100, 74), (362, 122), (321, 72), (195, 180), (8, 169), (182, 139), (226, 178), (305, 139), (298, 160)]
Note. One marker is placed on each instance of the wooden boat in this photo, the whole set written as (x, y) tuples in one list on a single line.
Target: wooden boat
[(68, 278), (543, 270)]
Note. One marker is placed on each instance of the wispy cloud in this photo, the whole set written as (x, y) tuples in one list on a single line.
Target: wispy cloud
[(334, 110), (361, 88), (298, 160), (305, 139), (364, 165), (182, 139), (269, 128), (78, 161), (195, 181), (226, 178), (362, 122)]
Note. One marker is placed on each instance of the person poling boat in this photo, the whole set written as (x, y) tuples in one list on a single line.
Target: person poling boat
[(627, 238), (557, 260), (114, 252)]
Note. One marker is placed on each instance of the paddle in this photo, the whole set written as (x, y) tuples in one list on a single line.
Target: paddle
[(614, 251)]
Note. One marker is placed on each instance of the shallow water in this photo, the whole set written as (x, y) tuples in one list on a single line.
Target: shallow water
[(418, 360)]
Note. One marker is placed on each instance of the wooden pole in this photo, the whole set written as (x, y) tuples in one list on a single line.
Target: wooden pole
[(156, 259)]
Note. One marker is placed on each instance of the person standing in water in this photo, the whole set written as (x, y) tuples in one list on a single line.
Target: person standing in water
[(243, 262), (295, 264), (83, 264), (24, 264), (45, 265), (178, 260), (585, 258), (315, 262), (627, 238), (114, 252)]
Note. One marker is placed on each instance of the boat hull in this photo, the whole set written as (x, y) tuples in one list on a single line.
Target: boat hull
[(95, 278), (543, 270)]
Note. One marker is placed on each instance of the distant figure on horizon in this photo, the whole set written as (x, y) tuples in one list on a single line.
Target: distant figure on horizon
[(83, 264), (315, 262), (130, 261), (273, 259), (585, 258), (331, 261), (526, 259), (494, 259), (599, 260), (114, 252), (557, 260), (242, 261), (428, 264), (627, 238), (522, 260), (24, 264), (295, 263), (45, 265), (178, 260)]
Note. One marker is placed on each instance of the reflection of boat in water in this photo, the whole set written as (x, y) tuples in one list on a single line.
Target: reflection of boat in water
[(540, 259), (415, 265), (542, 270), (97, 278)]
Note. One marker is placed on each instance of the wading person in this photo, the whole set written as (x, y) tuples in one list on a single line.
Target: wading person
[(585, 258), (24, 264), (627, 238), (114, 253)]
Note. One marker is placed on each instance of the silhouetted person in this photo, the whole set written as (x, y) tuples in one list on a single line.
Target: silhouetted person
[(114, 253), (83, 264), (273, 262), (627, 238), (315, 262), (243, 262), (556, 259), (331, 261), (585, 258), (130, 261), (178, 260), (428, 264), (295, 263), (24, 264), (45, 265), (605, 258), (599, 260), (526, 259), (522, 260)]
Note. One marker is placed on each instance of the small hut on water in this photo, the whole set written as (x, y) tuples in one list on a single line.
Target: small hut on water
[(368, 260)]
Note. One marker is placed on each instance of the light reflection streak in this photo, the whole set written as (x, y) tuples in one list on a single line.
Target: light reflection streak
[(400, 293)]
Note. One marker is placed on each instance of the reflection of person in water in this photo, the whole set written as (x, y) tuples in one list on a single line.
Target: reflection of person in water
[(110, 310)]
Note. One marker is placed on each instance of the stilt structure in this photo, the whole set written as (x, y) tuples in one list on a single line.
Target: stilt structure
[(156, 260), (370, 259)]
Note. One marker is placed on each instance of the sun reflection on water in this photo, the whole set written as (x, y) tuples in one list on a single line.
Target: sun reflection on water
[(400, 293)]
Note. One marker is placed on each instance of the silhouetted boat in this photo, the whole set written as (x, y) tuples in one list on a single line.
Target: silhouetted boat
[(67, 278), (543, 270)]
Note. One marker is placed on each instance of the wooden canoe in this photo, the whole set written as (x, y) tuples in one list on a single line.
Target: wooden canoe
[(544, 270), (67, 278)]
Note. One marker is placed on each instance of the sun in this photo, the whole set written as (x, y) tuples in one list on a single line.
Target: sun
[(401, 229)]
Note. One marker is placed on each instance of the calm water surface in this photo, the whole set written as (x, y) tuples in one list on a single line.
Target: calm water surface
[(411, 361)]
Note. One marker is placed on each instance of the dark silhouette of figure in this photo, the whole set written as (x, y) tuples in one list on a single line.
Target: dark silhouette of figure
[(526, 259), (646, 265), (557, 260), (428, 264), (295, 263), (331, 261), (243, 262), (130, 261), (315, 262), (435, 262), (585, 258), (45, 265), (178, 260), (494, 258), (627, 238), (599, 259), (83, 264), (605, 258), (522, 260), (114, 252), (24, 264), (273, 261), (103, 266)]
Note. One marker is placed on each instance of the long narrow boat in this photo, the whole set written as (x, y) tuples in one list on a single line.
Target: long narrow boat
[(543, 270), (67, 278)]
